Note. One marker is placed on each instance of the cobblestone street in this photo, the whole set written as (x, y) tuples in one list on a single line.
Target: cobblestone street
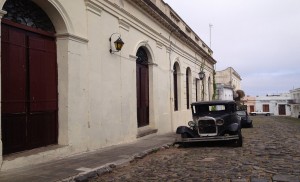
[(271, 151)]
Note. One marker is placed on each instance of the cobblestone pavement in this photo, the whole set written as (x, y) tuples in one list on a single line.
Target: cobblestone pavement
[(271, 152)]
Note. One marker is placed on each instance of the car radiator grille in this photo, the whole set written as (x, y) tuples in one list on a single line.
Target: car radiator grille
[(207, 127)]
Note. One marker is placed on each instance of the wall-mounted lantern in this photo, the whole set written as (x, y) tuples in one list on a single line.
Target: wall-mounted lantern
[(118, 44), (201, 73)]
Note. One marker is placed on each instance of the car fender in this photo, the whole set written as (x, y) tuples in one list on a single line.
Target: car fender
[(185, 129), (233, 127)]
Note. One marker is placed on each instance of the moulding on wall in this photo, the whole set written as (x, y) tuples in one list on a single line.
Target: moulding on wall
[(2, 13), (124, 25), (159, 45), (93, 7), (133, 57), (72, 37)]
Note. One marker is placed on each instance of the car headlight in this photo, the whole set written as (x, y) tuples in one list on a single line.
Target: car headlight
[(191, 123), (220, 122)]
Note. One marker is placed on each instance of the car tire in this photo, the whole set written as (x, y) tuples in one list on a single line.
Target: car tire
[(238, 142), (184, 135), (251, 125)]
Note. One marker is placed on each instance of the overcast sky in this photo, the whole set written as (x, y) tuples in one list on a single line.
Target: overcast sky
[(260, 39)]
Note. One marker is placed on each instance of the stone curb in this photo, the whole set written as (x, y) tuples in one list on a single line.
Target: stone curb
[(107, 168)]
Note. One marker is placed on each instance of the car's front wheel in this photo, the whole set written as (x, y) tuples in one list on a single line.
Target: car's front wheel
[(184, 135), (238, 142)]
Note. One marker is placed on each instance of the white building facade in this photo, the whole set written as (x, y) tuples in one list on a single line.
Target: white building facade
[(229, 77), (224, 92), (84, 97), (295, 103), (228, 81), (276, 104)]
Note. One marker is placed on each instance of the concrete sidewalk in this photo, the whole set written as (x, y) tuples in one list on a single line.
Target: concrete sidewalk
[(80, 167)]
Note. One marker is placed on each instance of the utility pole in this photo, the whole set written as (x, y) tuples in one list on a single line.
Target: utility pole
[(210, 27)]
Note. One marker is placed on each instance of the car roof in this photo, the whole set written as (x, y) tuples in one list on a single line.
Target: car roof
[(214, 102)]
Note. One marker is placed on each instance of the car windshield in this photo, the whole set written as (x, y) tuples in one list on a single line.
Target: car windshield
[(205, 108), (241, 113)]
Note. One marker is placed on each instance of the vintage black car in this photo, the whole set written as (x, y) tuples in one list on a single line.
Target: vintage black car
[(212, 121), (246, 122)]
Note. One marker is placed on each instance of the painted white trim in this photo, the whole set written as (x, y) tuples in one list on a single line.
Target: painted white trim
[(93, 7), (72, 37)]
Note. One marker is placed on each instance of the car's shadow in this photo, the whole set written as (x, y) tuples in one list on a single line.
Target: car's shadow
[(207, 144)]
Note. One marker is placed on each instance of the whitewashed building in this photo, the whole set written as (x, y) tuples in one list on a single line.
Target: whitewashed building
[(224, 92), (295, 102), (229, 77), (276, 104), (67, 89), (227, 82)]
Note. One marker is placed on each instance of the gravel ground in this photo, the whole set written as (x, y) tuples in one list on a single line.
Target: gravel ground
[(271, 151)]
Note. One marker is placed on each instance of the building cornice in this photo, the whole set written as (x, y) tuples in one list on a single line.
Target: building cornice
[(161, 17)]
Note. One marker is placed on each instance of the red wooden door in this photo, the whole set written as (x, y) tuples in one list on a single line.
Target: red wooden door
[(29, 90), (13, 89), (266, 108), (251, 108)]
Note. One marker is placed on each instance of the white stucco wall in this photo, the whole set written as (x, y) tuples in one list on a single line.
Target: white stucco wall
[(295, 102), (97, 89), (229, 77), (274, 101)]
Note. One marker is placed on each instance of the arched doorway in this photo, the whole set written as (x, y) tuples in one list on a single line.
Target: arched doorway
[(176, 85), (29, 97), (142, 87), (188, 87), (209, 89)]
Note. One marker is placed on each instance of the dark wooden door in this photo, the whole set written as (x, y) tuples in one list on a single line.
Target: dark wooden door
[(251, 108), (142, 86), (266, 108), (281, 109), (29, 89)]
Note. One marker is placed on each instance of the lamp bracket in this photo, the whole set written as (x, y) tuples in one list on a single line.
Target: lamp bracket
[(111, 50)]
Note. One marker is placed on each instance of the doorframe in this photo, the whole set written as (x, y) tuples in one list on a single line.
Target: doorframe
[(64, 37), (151, 128), (29, 31)]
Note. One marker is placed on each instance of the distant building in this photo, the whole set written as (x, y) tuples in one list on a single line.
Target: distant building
[(229, 77), (224, 92), (227, 81), (250, 103), (295, 102), (276, 104)]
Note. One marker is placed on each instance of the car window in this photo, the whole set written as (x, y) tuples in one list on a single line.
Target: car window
[(217, 108), (241, 113), (209, 108)]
